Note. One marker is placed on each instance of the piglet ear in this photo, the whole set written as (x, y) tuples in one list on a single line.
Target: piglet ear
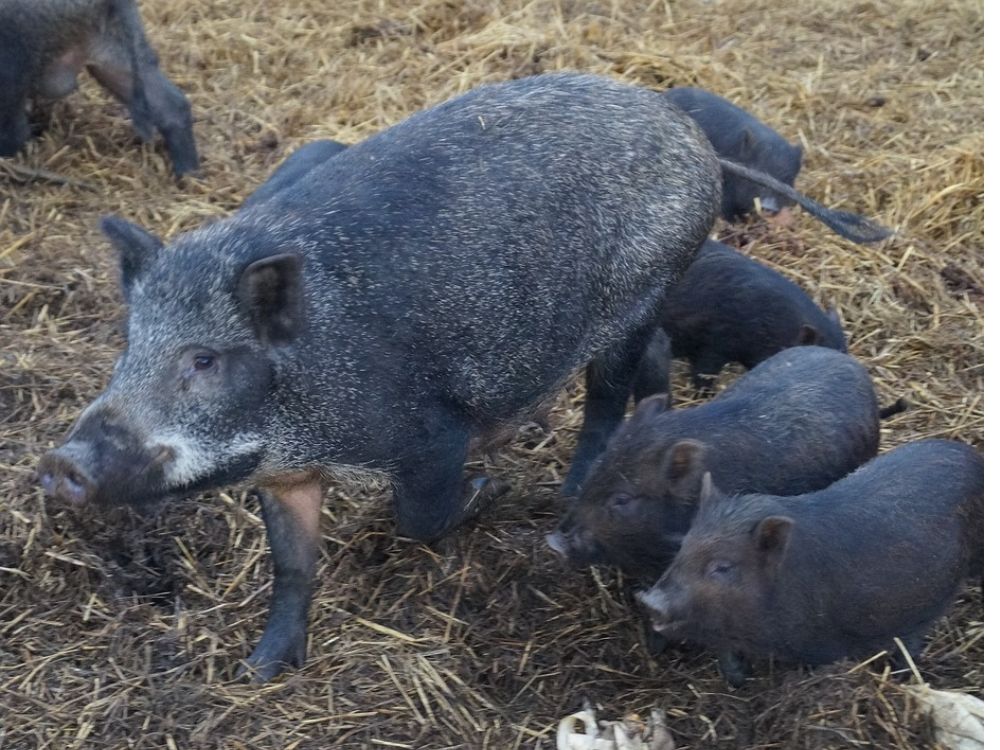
[(683, 467), (707, 489), (270, 289), (652, 406), (771, 537), (808, 335), (136, 248)]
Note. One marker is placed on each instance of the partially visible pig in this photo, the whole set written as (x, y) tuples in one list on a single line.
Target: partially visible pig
[(737, 135), (296, 166), (44, 44), (730, 308), (837, 573), (801, 420)]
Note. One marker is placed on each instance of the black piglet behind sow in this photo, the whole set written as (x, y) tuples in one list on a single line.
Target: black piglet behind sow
[(730, 308)]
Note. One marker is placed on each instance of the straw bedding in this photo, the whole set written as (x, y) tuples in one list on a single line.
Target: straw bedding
[(119, 631)]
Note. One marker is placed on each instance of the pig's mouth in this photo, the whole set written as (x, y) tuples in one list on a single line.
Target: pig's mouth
[(571, 551), (235, 471), (668, 627)]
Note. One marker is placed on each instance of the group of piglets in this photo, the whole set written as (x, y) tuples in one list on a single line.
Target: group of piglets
[(762, 521)]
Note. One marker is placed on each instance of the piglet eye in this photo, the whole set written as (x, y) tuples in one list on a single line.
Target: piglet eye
[(719, 569), (202, 362), (620, 501)]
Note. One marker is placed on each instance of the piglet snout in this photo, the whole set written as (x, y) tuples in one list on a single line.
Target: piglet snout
[(558, 543)]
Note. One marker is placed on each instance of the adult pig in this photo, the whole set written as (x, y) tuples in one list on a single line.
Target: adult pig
[(425, 286), (44, 44), (837, 573)]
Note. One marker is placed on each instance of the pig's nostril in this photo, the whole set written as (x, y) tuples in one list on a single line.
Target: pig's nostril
[(48, 482), (74, 486), (61, 478), (557, 543)]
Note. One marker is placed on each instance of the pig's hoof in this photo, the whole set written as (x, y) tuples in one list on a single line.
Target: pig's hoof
[(273, 656), (656, 643), (734, 668), (571, 485)]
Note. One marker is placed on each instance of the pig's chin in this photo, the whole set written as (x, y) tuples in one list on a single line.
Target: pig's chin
[(145, 498), (235, 471)]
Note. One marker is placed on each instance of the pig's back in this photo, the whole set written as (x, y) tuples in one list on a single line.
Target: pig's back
[(511, 234), (797, 422)]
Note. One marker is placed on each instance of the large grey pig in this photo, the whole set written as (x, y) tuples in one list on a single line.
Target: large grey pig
[(424, 287)]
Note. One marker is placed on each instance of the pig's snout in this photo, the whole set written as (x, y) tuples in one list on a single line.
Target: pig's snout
[(103, 462), (558, 543), (664, 610), (62, 476)]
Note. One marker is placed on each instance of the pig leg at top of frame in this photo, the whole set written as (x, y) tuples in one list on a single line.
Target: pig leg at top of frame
[(123, 62)]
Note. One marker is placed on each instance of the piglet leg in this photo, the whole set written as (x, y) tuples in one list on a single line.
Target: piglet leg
[(291, 515), (734, 667)]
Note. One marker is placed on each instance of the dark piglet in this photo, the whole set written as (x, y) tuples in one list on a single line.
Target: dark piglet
[(801, 420), (838, 573), (730, 308), (44, 44), (739, 136), (397, 302), (298, 164)]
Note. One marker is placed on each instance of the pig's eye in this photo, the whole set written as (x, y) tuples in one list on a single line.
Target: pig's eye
[(202, 362), (720, 569), (621, 501)]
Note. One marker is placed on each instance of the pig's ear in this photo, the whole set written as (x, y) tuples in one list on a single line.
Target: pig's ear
[(270, 289), (808, 335), (652, 405), (683, 467), (136, 248), (771, 537)]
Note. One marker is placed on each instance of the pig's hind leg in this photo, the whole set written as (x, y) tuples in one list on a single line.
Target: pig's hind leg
[(734, 667), (653, 375), (610, 379), (123, 62), (431, 494)]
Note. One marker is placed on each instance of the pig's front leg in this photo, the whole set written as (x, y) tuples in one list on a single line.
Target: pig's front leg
[(291, 516), (734, 667)]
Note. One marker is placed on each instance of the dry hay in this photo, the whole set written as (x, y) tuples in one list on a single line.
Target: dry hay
[(122, 631)]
